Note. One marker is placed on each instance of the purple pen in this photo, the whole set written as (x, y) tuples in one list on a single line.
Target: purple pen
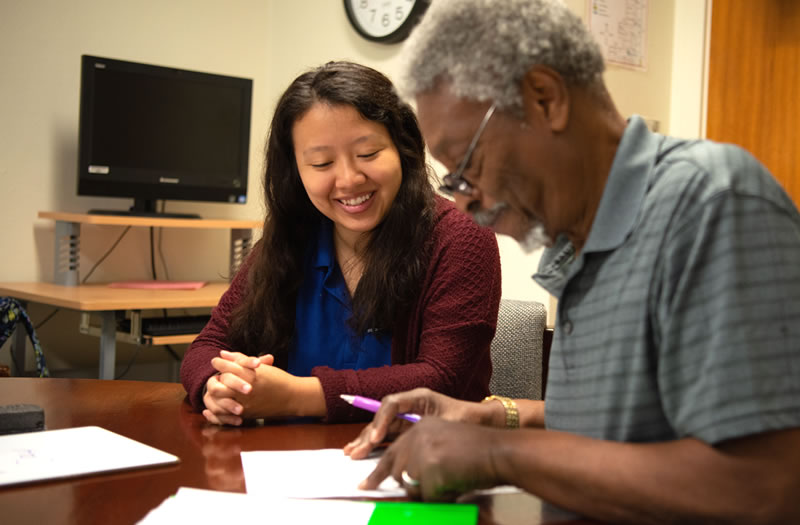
[(366, 403)]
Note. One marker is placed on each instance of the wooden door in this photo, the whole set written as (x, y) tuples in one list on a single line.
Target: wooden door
[(754, 83)]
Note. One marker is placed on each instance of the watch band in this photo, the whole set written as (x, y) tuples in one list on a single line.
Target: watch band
[(510, 407)]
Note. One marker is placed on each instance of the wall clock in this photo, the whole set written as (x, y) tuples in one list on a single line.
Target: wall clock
[(384, 21)]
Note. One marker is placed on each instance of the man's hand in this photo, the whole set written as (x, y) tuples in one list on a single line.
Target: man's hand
[(420, 401), (446, 458)]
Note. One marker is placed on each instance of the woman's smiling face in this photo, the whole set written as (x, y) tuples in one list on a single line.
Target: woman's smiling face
[(349, 166)]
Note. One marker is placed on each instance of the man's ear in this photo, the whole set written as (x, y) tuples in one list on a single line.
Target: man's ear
[(545, 97)]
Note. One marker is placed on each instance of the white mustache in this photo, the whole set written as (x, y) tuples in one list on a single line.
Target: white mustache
[(487, 217), (536, 237)]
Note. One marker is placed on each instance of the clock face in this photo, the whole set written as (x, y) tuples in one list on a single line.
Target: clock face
[(386, 21)]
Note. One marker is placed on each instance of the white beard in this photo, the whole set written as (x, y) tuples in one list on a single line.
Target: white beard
[(535, 239)]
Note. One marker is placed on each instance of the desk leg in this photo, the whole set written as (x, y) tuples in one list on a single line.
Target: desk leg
[(108, 345)]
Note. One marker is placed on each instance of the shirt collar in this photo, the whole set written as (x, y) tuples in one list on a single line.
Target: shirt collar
[(630, 175), (625, 188)]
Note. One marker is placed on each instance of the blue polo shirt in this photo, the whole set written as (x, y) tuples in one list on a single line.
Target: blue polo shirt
[(322, 336)]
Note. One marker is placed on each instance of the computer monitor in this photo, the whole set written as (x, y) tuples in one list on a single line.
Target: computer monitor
[(154, 133)]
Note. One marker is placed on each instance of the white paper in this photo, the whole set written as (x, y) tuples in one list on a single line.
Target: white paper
[(69, 452), (197, 506), (325, 473)]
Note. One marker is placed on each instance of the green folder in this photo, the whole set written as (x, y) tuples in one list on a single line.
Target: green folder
[(388, 513)]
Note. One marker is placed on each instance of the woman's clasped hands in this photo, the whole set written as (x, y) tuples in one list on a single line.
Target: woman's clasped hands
[(234, 380), (247, 387)]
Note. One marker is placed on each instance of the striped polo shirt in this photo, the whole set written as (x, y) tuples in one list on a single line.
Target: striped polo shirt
[(681, 315)]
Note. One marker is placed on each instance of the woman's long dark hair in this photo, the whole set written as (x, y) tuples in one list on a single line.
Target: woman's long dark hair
[(397, 253)]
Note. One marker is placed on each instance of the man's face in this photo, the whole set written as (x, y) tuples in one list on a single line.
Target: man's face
[(503, 193)]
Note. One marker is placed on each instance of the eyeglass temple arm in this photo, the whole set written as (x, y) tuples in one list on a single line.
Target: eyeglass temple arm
[(475, 139)]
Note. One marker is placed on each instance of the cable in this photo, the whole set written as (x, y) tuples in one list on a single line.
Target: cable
[(103, 258), (167, 348), (172, 352), (128, 367), (160, 251), (43, 321), (54, 312), (152, 254)]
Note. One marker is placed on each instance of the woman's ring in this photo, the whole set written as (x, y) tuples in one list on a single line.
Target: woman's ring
[(408, 481)]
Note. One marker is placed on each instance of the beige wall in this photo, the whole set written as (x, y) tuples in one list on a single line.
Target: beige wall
[(270, 41)]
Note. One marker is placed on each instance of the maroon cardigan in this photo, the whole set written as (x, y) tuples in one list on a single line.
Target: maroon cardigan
[(445, 343)]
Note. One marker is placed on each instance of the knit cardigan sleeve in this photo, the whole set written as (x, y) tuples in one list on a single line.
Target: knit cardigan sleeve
[(196, 366), (445, 341)]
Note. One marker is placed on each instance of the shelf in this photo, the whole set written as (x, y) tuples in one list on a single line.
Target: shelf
[(169, 339), (129, 220), (66, 250)]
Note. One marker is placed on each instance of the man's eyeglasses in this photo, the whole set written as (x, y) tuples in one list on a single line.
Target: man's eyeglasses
[(455, 182)]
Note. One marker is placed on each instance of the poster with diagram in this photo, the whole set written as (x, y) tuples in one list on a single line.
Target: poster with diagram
[(620, 27)]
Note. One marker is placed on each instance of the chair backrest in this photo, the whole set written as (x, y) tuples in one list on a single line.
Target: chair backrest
[(517, 350)]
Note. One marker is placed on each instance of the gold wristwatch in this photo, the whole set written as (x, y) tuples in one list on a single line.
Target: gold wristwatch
[(512, 412)]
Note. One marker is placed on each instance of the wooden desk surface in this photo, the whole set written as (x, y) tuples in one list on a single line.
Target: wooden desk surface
[(99, 297), (165, 222), (156, 414)]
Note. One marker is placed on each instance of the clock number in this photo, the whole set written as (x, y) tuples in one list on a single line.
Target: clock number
[(384, 21)]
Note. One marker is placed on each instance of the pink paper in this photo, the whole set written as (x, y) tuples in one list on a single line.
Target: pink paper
[(159, 285)]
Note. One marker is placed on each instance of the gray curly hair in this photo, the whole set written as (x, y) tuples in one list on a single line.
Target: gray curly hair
[(485, 48)]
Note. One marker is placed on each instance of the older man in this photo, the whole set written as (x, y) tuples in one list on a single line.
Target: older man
[(674, 381)]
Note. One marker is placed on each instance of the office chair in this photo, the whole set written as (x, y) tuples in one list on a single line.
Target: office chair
[(518, 351)]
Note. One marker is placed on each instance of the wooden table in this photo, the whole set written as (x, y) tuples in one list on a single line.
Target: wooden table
[(156, 414)]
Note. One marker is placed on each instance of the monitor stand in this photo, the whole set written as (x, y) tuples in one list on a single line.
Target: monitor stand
[(145, 208)]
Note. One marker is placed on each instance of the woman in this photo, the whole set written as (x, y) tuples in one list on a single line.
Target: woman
[(363, 283)]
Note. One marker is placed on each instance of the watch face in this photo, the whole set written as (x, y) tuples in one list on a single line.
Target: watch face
[(385, 21)]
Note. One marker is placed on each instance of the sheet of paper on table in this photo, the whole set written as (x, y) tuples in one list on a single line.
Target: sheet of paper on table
[(190, 505), (69, 452), (325, 473), (199, 506)]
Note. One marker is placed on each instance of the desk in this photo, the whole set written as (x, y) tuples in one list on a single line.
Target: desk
[(156, 414), (66, 292), (105, 301)]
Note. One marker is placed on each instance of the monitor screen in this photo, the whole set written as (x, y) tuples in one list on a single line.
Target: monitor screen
[(154, 133)]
